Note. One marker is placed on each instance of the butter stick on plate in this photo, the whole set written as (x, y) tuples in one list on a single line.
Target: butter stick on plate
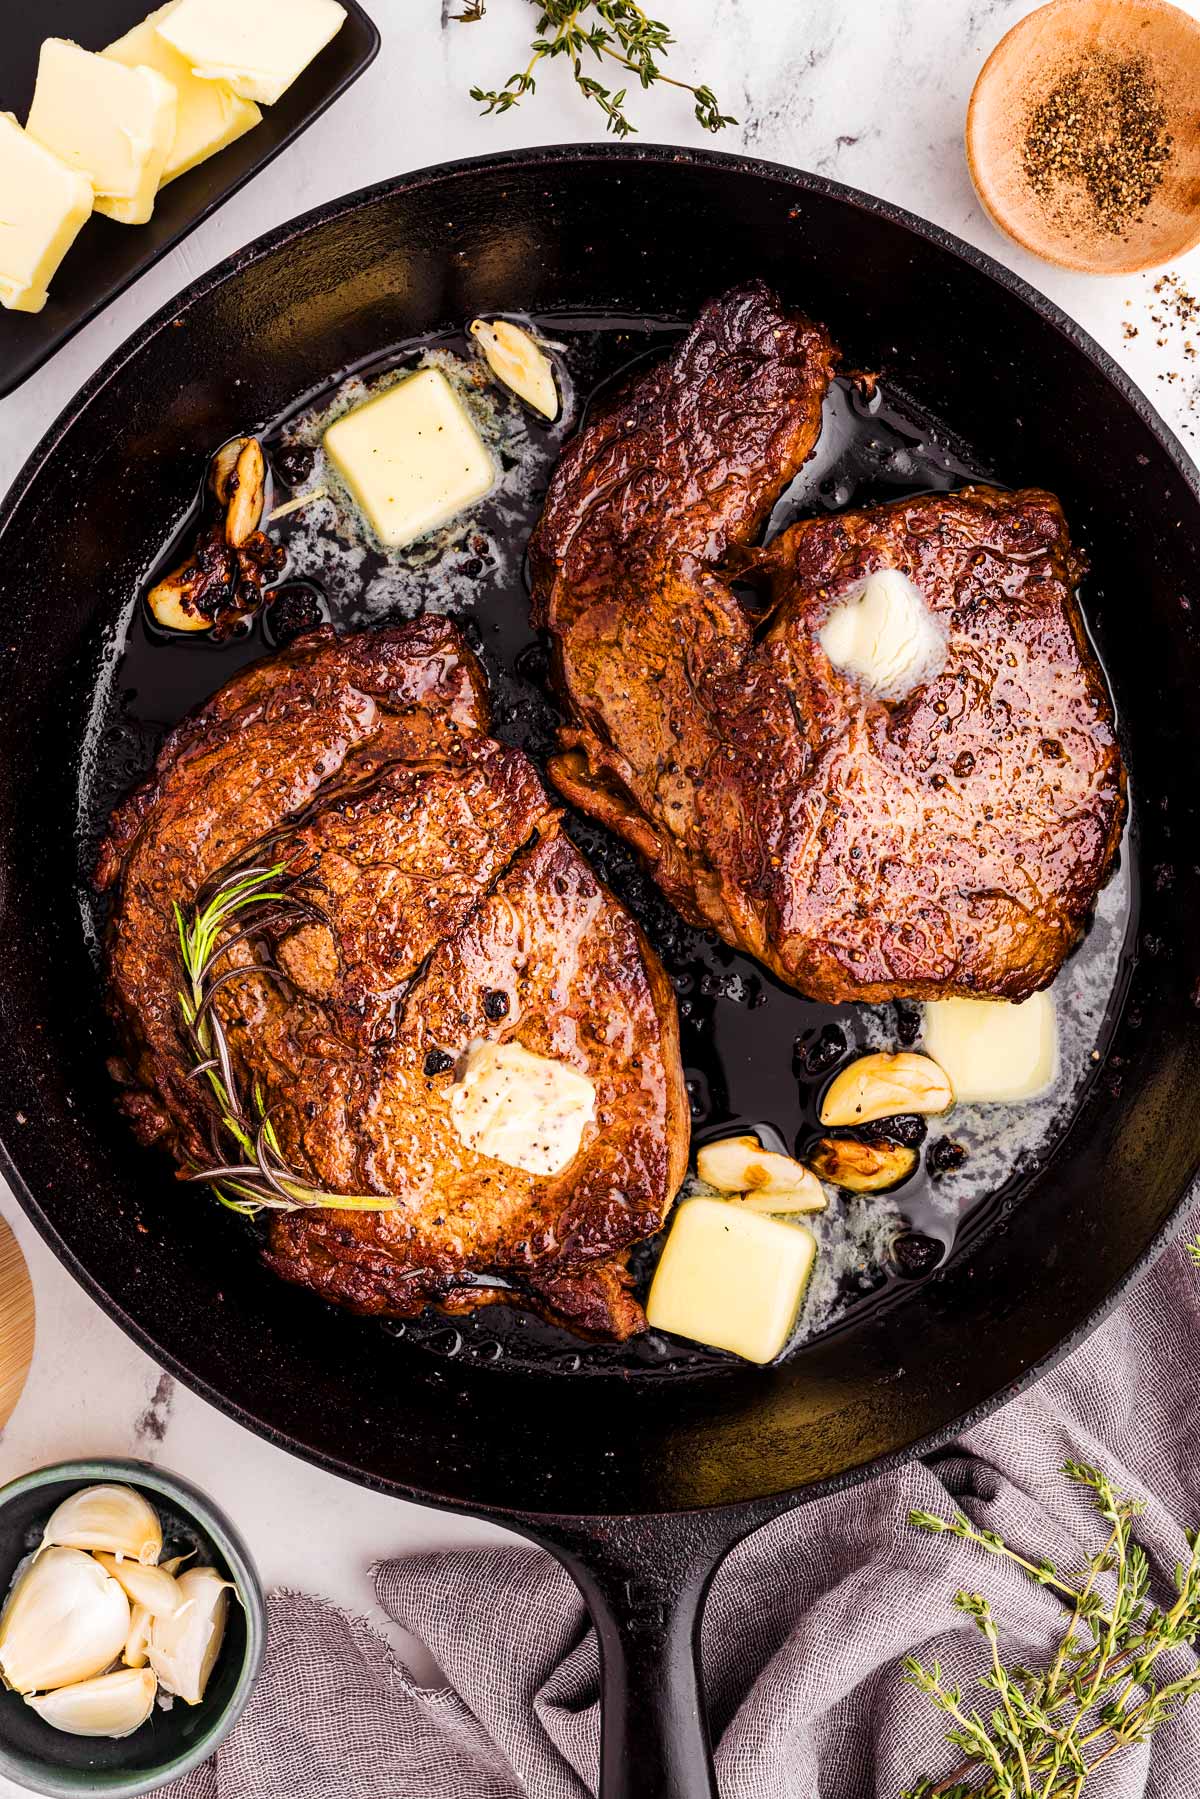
[(114, 125), (209, 116), (45, 206), (257, 46)]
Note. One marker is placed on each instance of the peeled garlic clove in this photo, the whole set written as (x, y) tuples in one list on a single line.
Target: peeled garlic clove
[(783, 1202), (518, 360), (742, 1165), (184, 1648), (882, 1086), (112, 1518), (137, 1644), (154, 1588), (113, 1705), (171, 600), (65, 1620), (862, 1167), (244, 493)]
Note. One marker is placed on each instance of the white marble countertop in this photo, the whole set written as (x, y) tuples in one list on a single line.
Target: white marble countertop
[(874, 95)]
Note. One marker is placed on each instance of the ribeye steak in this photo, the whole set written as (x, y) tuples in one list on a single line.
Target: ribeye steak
[(452, 909), (949, 841)]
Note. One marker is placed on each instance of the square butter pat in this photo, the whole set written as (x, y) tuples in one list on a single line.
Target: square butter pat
[(43, 204), (209, 116), (257, 46), (994, 1050), (731, 1278), (411, 458), (114, 125)]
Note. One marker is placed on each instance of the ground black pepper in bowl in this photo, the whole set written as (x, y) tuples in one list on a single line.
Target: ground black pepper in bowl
[(1099, 138)]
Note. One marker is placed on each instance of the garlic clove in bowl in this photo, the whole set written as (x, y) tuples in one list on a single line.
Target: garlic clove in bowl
[(65, 1620), (184, 1648), (112, 1518), (136, 1652), (155, 1588), (112, 1705)]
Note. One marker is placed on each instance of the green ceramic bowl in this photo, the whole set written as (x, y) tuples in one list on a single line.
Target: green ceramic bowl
[(170, 1742)]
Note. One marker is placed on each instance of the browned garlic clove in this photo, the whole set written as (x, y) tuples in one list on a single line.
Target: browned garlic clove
[(883, 1086), (862, 1167), (172, 601), (241, 492), (516, 358)]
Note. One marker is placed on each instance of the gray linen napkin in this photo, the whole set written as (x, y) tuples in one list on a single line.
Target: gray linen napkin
[(803, 1629)]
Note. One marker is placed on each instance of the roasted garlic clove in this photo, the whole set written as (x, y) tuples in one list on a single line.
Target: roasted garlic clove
[(862, 1167), (783, 1202), (172, 600), (113, 1518), (113, 1705), (64, 1620), (880, 1086), (741, 1164), (518, 360), (184, 1649), (152, 1587), (243, 496)]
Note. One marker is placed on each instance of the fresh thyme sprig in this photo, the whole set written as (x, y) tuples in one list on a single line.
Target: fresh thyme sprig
[(619, 31), (250, 897), (1049, 1731)]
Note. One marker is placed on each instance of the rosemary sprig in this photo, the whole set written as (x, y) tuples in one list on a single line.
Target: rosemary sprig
[(1049, 1731), (249, 898), (618, 31)]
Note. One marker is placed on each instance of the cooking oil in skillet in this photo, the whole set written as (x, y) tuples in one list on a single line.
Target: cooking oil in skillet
[(757, 1056)]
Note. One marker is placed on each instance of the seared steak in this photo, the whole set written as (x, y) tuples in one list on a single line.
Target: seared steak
[(447, 907), (951, 841)]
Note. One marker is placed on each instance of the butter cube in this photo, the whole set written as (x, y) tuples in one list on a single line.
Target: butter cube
[(114, 125), (209, 116), (731, 1278), (43, 207), (257, 46), (411, 458), (994, 1050)]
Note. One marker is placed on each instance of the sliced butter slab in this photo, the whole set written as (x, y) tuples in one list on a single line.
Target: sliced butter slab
[(994, 1050), (731, 1278), (114, 125), (209, 116), (257, 46), (411, 458), (44, 205)]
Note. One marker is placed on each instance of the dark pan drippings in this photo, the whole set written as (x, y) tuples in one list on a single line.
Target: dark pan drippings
[(756, 1054)]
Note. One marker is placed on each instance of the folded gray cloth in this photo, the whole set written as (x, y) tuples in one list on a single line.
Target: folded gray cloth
[(804, 1627)]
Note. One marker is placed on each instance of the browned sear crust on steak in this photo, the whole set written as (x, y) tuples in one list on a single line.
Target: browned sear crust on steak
[(952, 842), (457, 910)]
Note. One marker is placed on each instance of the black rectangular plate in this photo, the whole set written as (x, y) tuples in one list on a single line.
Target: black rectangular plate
[(106, 257)]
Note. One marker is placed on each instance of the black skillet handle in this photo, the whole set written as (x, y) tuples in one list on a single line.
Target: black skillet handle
[(645, 1580)]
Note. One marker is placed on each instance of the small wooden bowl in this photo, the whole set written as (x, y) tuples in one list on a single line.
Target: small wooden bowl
[(16, 1322), (1021, 72)]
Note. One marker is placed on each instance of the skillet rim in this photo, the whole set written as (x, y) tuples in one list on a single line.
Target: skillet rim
[(544, 156)]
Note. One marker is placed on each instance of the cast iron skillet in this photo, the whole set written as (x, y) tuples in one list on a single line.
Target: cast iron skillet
[(638, 1484)]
